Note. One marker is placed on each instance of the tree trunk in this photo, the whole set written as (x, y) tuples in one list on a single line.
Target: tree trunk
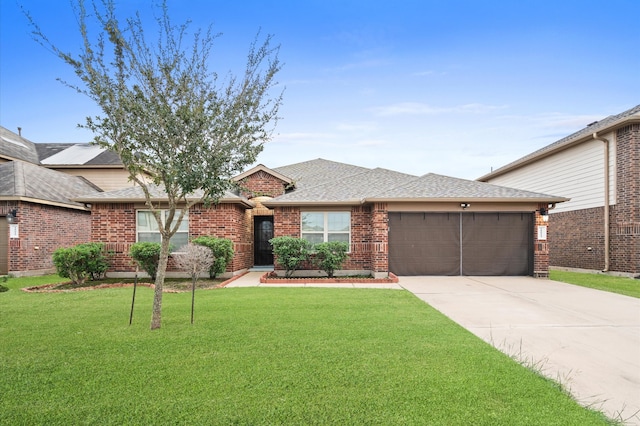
[(156, 315)]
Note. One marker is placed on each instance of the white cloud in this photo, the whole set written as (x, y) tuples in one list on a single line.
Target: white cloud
[(417, 108)]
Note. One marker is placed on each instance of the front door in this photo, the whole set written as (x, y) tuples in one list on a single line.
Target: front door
[(262, 233)]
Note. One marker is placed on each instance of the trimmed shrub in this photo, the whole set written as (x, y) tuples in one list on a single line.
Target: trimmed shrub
[(222, 250), (330, 256), (290, 252), (81, 262), (147, 255)]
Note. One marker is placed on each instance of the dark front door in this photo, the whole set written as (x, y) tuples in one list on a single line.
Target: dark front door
[(262, 233)]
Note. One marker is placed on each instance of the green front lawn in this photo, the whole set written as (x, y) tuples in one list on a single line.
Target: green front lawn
[(263, 356), (621, 285)]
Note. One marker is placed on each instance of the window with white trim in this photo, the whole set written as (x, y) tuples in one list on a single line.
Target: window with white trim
[(147, 228), (319, 227)]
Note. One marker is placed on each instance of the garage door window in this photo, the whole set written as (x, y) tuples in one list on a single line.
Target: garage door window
[(319, 227)]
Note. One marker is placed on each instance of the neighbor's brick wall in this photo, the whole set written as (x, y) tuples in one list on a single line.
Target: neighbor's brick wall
[(115, 225), (625, 215), (577, 239), (42, 230), (576, 231), (260, 184)]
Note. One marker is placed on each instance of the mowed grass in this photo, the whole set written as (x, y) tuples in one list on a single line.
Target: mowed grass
[(259, 356), (620, 285)]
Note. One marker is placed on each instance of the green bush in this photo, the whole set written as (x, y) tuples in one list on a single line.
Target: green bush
[(147, 255), (330, 256), (290, 252), (222, 249), (81, 262)]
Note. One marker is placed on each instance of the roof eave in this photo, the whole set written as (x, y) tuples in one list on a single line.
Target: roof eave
[(47, 202), (276, 203), (469, 200), (98, 200)]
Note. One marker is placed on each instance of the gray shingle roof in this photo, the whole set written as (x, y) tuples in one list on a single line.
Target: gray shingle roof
[(14, 146), (355, 185), (437, 187), (598, 126), (353, 189), (20, 179), (319, 171), (136, 194)]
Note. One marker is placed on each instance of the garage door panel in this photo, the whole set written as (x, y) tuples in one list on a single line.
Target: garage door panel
[(422, 242), (430, 243), (495, 243)]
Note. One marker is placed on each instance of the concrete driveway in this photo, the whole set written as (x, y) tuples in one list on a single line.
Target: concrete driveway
[(588, 340)]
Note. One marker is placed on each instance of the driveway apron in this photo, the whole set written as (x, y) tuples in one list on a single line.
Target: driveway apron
[(588, 340)]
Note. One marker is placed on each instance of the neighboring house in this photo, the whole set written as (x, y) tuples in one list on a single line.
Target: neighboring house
[(38, 216), (598, 168), (37, 183), (393, 222)]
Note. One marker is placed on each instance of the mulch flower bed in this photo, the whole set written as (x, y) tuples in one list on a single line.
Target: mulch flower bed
[(169, 286), (273, 278)]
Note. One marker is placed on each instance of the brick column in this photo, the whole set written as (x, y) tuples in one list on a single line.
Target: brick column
[(380, 240), (540, 246)]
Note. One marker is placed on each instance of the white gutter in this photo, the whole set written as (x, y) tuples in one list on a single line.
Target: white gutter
[(606, 199)]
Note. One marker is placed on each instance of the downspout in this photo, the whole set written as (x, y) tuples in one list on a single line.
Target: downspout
[(606, 200)]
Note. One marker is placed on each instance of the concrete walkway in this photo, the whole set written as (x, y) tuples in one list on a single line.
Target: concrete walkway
[(588, 340)]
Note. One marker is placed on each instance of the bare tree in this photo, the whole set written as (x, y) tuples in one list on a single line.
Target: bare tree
[(181, 132), (195, 260)]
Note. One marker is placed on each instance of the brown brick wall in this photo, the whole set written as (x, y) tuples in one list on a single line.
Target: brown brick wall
[(115, 225), (577, 239), (578, 236), (625, 215), (43, 229)]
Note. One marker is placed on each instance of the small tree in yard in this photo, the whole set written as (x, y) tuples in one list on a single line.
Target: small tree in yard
[(222, 250), (195, 260), (290, 252), (330, 256), (180, 132)]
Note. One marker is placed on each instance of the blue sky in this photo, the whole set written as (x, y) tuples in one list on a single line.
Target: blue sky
[(454, 87)]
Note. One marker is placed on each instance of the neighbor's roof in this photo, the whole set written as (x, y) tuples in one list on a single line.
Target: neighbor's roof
[(381, 185), (135, 194), (15, 147), (605, 125), (74, 155), (30, 182)]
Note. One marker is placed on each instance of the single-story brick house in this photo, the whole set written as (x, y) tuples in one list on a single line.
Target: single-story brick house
[(393, 222), (598, 167)]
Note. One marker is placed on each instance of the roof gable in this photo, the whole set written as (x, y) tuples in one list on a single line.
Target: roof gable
[(261, 168)]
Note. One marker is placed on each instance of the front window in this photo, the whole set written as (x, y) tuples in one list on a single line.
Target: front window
[(147, 228), (319, 227)]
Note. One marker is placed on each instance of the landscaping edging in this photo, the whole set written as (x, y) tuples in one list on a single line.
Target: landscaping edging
[(268, 278)]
